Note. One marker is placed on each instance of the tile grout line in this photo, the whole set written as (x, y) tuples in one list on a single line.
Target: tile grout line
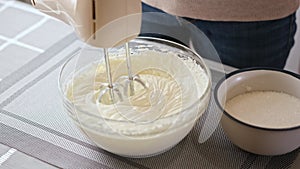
[(7, 155), (37, 62), (4, 45), (30, 29), (26, 32), (20, 5), (17, 5), (10, 41), (6, 5), (29, 47), (22, 34)]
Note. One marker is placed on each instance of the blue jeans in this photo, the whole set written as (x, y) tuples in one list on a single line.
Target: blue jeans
[(248, 44)]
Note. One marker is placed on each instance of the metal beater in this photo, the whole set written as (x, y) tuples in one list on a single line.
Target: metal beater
[(125, 82), (110, 86), (130, 79)]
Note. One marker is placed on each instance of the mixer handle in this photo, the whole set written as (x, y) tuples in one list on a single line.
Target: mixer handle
[(100, 23)]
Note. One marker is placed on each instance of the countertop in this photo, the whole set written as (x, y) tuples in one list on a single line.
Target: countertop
[(36, 133)]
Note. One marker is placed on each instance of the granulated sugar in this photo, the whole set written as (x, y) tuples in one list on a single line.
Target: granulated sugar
[(265, 109)]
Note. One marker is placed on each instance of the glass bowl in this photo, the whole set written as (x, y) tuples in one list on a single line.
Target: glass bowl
[(150, 134)]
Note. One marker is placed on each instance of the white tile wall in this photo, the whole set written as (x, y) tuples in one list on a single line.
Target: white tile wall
[(13, 57), (24, 34), (14, 21), (2, 42), (47, 34)]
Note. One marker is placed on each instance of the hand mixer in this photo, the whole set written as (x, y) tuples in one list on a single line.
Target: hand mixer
[(104, 24)]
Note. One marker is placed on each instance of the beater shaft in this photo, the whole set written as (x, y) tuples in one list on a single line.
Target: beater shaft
[(128, 61)]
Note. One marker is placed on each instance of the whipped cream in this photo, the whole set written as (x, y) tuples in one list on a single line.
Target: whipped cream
[(154, 118)]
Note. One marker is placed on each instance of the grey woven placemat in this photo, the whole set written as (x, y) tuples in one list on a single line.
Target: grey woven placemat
[(33, 121)]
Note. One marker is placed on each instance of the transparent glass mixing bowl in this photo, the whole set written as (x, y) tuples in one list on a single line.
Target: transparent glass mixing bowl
[(131, 138)]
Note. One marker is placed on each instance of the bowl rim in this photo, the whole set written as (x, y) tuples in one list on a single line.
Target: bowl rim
[(206, 93), (227, 76)]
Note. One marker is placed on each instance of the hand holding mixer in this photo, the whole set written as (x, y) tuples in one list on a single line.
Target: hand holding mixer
[(104, 24)]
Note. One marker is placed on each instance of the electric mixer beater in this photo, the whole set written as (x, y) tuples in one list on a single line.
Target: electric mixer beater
[(130, 79), (101, 23)]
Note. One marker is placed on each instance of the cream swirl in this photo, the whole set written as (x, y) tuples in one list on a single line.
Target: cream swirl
[(173, 85)]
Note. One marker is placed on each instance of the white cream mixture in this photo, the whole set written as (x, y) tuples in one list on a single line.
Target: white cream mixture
[(149, 122), (266, 109), (173, 84)]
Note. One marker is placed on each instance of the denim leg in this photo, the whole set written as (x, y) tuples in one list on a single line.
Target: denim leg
[(150, 9), (251, 44), (248, 44)]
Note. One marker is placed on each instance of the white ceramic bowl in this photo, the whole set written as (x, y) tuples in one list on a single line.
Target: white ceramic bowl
[(100, 130), (253, 138)]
